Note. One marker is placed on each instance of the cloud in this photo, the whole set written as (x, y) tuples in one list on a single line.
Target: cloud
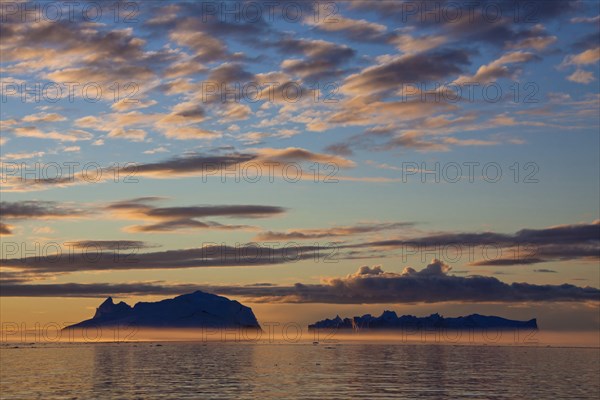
[(92, 52), (32, 209), (5, 229), (471, 21), (339, 231), (536, 42), (408, 68), (410, 44), (43, 117), (205, 47), (369, 285), (135, 135), (72, 135), (193, 164), (527, 246), (173, 225), (239, 211), (470, 142), (180, 123), (428, 138), (586, 57), (432, 284), (22, 156), (342, 149), (160, 149), (581, 76), (323, 59), (171, 219), (43, 230), (298, 154), (560, 234), (414, 140), (127, 104), (100, 245), (10, 288), (354, 29), (37, 210), (501, 262), (229, 73), (498, 68), (365, 110), (210, 255), (235, 112), (587, 20)]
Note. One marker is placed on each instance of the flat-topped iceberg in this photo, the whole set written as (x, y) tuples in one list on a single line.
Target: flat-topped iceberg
[(390, 320)]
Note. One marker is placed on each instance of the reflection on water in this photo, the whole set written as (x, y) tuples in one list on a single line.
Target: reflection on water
[(282, 370)]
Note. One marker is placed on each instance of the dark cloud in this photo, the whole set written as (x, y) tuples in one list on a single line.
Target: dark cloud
[(563, 234), (413, 141), (342, 149), (208, 255), (13, 289), (204, 29), (322, 59), (527, 246), (173, 225), (410, 68), (368, 285), (199, 165), (570, 234), (37, 209), (207, 17), (301, 234), (490, 21), (432, 284), (174, 218), (90, 51), (195, 163), (230, 73), (5, 229), (387, 138), (507, 262), (208, 164), (586, 42), (110, 244), (242, 211), (543, 270)]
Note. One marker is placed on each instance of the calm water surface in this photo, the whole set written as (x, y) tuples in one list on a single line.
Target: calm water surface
[(294, 371)]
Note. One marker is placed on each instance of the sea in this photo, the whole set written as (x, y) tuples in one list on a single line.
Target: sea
[(304, 370)]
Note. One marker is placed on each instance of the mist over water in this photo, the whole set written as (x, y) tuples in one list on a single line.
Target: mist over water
[(295, 334)]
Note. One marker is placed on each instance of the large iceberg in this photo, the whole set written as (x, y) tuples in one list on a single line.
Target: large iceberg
[(390, 320), (193, 310)]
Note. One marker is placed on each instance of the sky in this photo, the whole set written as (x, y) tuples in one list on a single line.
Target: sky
[(305, 158)]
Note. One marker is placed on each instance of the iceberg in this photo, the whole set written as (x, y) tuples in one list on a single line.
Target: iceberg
[(193, 310), (389, 320)]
